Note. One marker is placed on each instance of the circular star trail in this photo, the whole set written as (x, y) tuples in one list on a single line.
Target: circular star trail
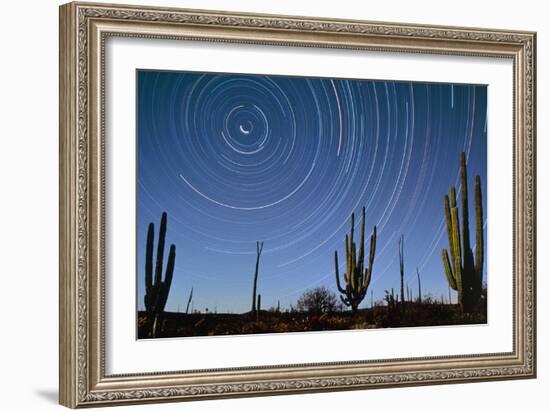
[(235, 159)]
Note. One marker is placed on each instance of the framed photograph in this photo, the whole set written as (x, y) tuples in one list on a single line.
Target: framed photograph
[(260, 204)]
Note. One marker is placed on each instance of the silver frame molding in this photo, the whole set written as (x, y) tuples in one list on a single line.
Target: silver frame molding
[(83, 30)]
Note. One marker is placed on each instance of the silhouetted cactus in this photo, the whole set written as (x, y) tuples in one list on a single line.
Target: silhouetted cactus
[(463, 274), (156, 292), (401, 269), (258, 307), (390, 298), (259, 248), (189, 301), (357, 277), (419, 286)]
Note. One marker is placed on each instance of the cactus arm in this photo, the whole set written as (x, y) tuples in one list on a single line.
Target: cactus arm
[(149, 267), (368, 276), (170, 267), (448, 221), (360, 268), (457, 265), (453, 197), (456, 252), (459, 277), (362, 243), (448, 269), (347, 248), (353, 273), (464, 201), (368, 270), (337, 271), (450, 204), (349, 268), (160, 249), (372, 246), (352, 230), (479, 227), (164, 288)]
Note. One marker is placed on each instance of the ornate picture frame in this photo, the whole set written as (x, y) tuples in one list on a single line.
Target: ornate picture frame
[(84, 30)]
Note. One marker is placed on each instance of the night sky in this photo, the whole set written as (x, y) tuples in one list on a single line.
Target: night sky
[(234, 159)]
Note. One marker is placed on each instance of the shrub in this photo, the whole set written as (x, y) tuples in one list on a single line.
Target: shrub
[(317, 300)]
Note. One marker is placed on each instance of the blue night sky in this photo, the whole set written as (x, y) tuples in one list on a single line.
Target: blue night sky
[(234, 159)]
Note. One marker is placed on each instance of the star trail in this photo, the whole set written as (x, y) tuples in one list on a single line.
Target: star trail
[(234, 159)]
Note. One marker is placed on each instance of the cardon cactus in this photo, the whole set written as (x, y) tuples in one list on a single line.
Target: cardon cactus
[(357, 277), (463, 273), (157, 289)]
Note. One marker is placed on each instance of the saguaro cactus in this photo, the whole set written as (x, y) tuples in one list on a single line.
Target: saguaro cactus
[(156, 292), (259, 248), (357, 277), (463, 273)]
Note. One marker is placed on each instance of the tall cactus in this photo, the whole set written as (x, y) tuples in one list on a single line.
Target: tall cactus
[(357, 276), (189, 301), (463, 273), (419, 286), (156, 292), (259, 248), (401, 268)]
